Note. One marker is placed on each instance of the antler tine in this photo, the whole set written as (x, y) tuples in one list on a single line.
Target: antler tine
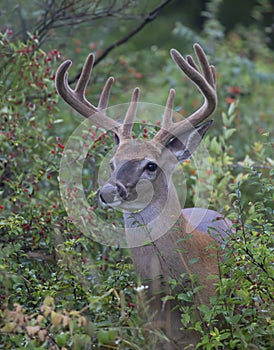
[(206, 83), (127, 125), (167, 117), (213, 72), (191, 61), (206, 67), (76, 98), (82, 82), (103, 102), (163, 134)]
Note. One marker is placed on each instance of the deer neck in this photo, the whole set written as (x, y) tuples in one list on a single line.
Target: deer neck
[(160, 217)]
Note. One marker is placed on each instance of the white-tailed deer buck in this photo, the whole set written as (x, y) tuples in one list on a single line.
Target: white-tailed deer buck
[(141, 184)]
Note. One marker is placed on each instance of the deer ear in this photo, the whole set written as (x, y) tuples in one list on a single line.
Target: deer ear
[(186, 144), (116, 139)]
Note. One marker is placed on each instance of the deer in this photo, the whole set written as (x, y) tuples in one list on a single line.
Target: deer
[(141, 186)]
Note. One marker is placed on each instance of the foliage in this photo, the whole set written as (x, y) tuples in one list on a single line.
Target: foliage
[(244, 304), (61, 290), (42, 253)]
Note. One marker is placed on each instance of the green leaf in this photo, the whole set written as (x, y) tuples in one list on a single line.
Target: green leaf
[(185, 319), (193, 261), (62, 339), (185, 297), (106, 336), (215, 146), (228, 133)]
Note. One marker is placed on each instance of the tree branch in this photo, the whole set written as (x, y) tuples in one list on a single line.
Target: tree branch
[(148, 18), (74, 12)]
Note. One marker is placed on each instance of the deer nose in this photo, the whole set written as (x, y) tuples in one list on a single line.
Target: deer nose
[(107, 193)]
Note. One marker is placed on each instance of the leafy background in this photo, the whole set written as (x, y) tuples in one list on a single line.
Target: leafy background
[(58, 288)]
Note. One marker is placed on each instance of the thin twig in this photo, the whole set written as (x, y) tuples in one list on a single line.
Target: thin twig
[(148, 18)]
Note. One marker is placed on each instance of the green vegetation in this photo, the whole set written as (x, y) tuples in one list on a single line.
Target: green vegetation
[(61, 290)]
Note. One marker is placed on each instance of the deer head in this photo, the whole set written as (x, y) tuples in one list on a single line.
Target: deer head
[(141, 167)]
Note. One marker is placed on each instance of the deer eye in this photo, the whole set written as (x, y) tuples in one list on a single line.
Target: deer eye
[(151, 166)]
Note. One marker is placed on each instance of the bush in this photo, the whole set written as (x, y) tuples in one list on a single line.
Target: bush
[(245, 287)]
